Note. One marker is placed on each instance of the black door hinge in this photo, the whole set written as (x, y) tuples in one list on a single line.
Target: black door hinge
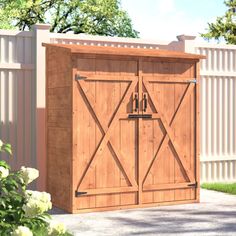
[(193, 185), (192, 81), (78, 194), (78, 77)]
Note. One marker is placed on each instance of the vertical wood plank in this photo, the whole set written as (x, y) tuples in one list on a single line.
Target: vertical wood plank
[(127, 146), (140, 131), (197, 125), (180, 135), (59, 138)]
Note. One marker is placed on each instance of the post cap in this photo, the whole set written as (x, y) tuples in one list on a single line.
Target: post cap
[(41, 26), (184, 37)]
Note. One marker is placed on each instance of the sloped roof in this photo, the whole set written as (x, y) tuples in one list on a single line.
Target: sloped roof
[(140, 52)]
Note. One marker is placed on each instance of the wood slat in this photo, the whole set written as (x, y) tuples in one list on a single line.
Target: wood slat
[(125, 51), (197, 129), (163, 79), (106, 78), (131, 206), (140, 137), (99, 191), (152, 187)]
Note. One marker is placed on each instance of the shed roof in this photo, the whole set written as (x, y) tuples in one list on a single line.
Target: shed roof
[(141, 52)]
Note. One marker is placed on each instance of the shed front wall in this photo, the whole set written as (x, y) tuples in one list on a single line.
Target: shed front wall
[(121, 162)]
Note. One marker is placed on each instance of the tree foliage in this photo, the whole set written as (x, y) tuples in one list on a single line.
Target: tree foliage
[(98, 17), (225, 26)]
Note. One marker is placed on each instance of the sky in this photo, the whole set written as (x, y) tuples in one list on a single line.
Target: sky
[(165, 19)]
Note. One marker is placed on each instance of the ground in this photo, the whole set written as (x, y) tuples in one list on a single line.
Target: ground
[(215, 215)]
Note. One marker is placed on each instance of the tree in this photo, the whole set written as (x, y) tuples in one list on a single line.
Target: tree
[(98, 17), (225, 26)]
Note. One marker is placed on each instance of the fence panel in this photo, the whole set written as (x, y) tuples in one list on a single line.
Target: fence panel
[(17, 96), (218, 112)]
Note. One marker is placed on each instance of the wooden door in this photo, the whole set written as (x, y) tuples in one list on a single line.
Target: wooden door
[(106, 141), (133, 137), (167, 140)]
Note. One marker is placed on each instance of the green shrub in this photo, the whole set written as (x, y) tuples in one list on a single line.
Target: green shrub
[(24, 212)]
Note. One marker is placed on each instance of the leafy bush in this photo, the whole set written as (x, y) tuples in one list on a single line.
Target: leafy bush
[(24, 212)]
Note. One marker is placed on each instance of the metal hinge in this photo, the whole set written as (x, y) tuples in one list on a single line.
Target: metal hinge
[(77, 193), (193, 185), (192, 81), (78, 77)]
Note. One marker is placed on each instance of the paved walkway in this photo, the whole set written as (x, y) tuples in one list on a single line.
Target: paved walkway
[(215, 215)]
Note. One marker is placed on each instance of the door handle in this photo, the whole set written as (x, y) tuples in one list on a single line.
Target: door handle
[(135, 102), (145, 97)]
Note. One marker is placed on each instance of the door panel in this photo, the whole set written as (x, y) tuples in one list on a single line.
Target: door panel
[(169, 152), (138, 160), (106, 142)]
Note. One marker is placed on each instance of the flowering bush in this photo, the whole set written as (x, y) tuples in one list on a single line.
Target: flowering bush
[(37, 203), (28, 174), (4, 172), (56, 228), (22, 230), (22, 211)]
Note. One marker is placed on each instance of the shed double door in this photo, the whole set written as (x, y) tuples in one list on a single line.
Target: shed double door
[(135, 141)]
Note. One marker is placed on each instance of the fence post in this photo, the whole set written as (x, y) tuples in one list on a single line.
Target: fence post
[(188, 42), (41, 35)]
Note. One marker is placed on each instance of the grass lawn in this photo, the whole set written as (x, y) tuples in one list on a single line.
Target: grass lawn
[(221, 187)]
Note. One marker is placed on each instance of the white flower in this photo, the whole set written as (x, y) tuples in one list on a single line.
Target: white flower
[(22, 231), (28, 174), (37, 203), (1, 143), (4, 172), (56, 228)]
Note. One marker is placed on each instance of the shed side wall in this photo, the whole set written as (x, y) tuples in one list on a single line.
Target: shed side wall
[(59, 124)]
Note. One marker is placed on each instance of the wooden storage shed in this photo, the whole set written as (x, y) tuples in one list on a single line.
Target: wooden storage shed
[(122, 127)]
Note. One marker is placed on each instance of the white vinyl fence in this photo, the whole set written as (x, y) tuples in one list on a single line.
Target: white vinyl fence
[(218, 109), (17, 95), (22, 96), (218, 113)]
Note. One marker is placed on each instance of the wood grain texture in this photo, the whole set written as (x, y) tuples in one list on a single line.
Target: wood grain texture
[(59, 126), (99, 158), (197, 130), (137, 52), (123, 207)]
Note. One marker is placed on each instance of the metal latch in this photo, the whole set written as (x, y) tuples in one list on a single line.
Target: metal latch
[(144, 116), (78, 77), (77, 193)]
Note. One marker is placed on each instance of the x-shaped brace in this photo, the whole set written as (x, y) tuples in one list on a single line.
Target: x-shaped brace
[(169, 136), (107, 131)]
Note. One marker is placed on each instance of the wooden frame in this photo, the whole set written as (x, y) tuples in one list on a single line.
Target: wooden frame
[(113, 127)]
